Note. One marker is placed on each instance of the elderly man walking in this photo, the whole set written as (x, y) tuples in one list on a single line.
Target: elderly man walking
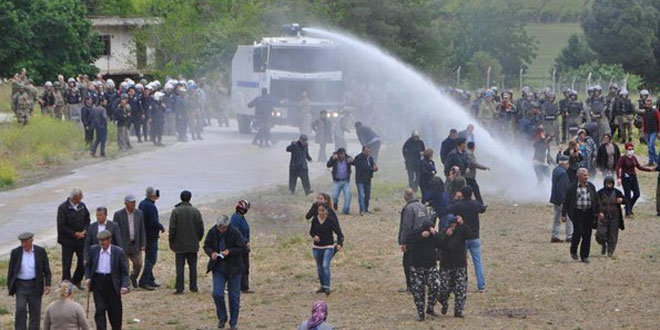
[(152, 228), (133, 239), (225, 247), (413, 214), (559, 188), (582, 206), (28, 278), (186, 231), (107, 277), (72, 221)]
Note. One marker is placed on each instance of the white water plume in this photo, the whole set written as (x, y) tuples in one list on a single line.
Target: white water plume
[(414, 102)]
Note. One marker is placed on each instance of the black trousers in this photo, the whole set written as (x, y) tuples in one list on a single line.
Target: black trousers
[(137, 126), (413, 177), (157, 131), (407, 256), (293, 180), (245, 281), (475, 189), (106, 301), (67, 260), (27, 300), (582, 226), (181, 259), (89, 135)]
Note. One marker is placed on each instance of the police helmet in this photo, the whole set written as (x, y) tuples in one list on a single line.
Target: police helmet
[(139, 86), (110, 83), (71, 80), (614, 86), (48, 84), (169, 87), (644, 92), (158, 96), (598, 88), (623, 92)]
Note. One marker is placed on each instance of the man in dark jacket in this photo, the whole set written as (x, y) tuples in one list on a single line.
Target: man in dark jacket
[(457, 157), (72, 222), (469, 210), (186, 231), (341, 176), (365, 166), (152, 230), (225, 247), (131, 226), (413, 214), (448, 145), (368, 137), (298, 164), (412, 154), (239, 222), (85, 118), (28, 277), (559, 187), (100, 225), (263, 105), (99, 123), (107, 277), (582, 206), (322, 128)]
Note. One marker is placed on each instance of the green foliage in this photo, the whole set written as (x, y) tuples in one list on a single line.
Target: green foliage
[(47, 37), (477, 69), (574, 55), (626, 32), (531, 11), (606, 71), (110, 7), (490, 28)]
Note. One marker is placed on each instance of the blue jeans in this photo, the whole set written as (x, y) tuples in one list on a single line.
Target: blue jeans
[(339, 186), (150, 258), (364, 195), (474, 245), (650, 142), (323, 258), (101, 136), (234, 288)]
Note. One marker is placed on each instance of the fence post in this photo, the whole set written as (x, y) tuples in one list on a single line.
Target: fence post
[(521, 78), (588, 83), (573, 82), (554, 80), (458, 77), (488, 78)]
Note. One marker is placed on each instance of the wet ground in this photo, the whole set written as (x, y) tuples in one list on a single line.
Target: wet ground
[(223, 164)]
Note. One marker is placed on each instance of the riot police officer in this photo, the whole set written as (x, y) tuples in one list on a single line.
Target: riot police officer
[(597, 115), (610, 99), (563, 104), (574, 113), (551, 113), (624, 112)]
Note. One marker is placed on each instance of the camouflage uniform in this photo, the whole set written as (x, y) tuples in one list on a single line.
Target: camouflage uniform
[(453, 280), (60, 104), (21, 103), (597, 115), (421, 278)]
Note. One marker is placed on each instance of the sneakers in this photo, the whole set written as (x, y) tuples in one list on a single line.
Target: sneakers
[(147, 287), (458, 314), (420, 317), (320, 290)]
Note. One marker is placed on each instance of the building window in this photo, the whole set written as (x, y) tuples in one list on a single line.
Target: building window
[(105, 42)]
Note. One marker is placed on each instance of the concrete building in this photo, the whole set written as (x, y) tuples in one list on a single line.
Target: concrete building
[(121, 55)]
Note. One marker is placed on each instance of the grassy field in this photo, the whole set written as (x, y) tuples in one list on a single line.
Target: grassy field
[(531, 283), (5, 97), (551, 38)]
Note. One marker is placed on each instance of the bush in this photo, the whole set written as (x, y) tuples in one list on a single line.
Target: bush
[(606, 72), (477, 69), (8, 175)]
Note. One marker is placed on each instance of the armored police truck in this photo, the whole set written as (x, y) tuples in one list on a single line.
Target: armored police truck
[(286, 66)]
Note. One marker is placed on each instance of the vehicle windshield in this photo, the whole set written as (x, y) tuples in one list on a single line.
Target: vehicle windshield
[(304, 59)]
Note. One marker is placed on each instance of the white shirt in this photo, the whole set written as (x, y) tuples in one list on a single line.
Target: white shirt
[(27, 272), (131, 225), (102, 227), (104, 261)]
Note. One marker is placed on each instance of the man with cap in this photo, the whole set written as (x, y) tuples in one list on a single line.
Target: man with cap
[(72, 222), (133, 237), (152, 228), (225, 247), (298, 164), (106, 271), (28, 277), (412, 155), (559, 187), (186, 231), (239, 222)]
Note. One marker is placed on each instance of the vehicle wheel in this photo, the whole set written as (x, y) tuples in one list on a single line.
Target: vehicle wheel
[(244, 124)]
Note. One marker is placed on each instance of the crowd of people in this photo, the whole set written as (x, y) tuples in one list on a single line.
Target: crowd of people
[(146, 109)]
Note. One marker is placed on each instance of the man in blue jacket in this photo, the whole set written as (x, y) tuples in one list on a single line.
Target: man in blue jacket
[(239, 222), (559, 187), (341, 175), (152, 228)]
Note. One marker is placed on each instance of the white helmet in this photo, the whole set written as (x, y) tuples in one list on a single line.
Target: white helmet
[(158, 96), (71, 80), (623, 92), (644, 92), (139, 86), (169, 87), (110, 83), (48, 84)]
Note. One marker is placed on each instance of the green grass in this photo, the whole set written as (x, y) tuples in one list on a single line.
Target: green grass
[(5, 97), (551, 38)]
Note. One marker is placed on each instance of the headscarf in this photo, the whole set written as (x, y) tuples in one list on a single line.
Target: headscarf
[(609, 179), (319, 314)]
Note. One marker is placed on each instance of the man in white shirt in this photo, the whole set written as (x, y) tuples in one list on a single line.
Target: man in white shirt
[(106, 271), (28, 278)]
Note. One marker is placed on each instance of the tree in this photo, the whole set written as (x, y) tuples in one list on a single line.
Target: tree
[(52, 37), (490, 28), (477, 69), (626, 32), (574, 55)]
